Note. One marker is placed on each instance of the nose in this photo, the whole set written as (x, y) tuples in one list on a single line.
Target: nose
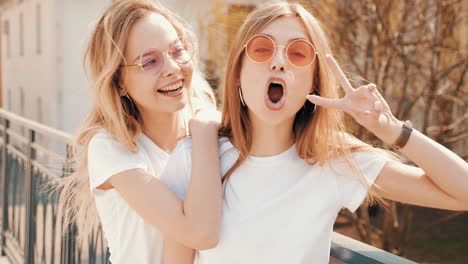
[(170, 66), (278, 62)]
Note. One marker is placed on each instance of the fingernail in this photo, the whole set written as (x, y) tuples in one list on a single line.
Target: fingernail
[(378, 106)]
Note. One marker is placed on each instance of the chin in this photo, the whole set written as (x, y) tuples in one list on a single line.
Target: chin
[(272, 118)]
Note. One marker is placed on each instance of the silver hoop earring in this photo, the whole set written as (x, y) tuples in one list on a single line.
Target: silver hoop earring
[(133, 107), (242, 98), (306, 109)]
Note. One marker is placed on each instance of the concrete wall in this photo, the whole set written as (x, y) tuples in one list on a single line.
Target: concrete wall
[(28, 60), (76, 21)]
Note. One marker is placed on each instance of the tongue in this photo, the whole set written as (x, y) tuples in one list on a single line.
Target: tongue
[(275, 92)]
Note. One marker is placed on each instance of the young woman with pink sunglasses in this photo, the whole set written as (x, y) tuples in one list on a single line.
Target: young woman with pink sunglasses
[(288, 164)]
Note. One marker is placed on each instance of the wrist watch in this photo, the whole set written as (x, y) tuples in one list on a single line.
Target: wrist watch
[(404, 136)]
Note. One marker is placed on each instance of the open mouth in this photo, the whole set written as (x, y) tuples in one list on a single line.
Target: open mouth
[(274, 98), (275, 91), (172, 89)]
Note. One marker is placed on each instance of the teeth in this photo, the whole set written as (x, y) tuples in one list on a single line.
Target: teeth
[(172, 87), (277, 82)]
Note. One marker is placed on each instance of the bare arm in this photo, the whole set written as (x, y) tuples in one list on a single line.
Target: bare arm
[(440, 182), (175, 253), (442, 179), (194, 222)]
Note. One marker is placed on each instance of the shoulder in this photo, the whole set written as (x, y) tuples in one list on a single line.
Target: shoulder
[(225, 146), (357, 158), (228, 154), (101, 137), (108, 157), (356, 165), (104, 143)]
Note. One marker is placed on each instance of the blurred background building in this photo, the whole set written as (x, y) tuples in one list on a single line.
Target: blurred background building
[(42, 45)]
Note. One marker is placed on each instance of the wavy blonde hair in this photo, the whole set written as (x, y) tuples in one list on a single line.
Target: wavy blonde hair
[(320, 135), (110, 111)]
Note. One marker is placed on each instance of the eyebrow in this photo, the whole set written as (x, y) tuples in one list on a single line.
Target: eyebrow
[(151, 50), (290, 40)]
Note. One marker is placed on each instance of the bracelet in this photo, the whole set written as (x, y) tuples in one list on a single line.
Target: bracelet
[(404, 136)]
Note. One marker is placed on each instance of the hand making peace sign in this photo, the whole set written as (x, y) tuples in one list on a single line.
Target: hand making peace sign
[(365, 104)]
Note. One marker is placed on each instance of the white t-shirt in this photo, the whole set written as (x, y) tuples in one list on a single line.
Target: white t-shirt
[(280, 209), (130, 238)]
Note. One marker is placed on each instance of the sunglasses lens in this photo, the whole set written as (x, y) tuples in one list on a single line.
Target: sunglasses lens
[(151, 61), (260, 48), (301, 53)]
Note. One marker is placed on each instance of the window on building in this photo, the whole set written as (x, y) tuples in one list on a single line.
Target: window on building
[(21, 89), (38, 29), (22, 110), (9, 106), (21, 34), (39, 110), (6, 32)]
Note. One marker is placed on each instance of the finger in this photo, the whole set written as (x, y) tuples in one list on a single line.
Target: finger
[(373, 94), (381, 99), (339, 74), (378, 106), (371, 87), (325, 102)]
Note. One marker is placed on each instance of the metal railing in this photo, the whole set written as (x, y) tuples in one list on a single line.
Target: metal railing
[(348, 250), (32, 155)]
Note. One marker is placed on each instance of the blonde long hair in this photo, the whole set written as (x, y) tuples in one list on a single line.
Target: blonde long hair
[(110, 110), (320, 135)]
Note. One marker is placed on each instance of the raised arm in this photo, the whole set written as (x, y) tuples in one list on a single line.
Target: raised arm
[(195, 221), (441, 180)]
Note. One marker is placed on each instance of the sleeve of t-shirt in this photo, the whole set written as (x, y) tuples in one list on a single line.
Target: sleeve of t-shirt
[(228, 155), (351, 190), (107, 157)]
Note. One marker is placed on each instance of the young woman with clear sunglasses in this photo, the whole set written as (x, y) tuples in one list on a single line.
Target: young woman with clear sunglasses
[(146, 87), (289, 166)]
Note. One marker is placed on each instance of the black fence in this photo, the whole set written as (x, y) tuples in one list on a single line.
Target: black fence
[(33, 156)]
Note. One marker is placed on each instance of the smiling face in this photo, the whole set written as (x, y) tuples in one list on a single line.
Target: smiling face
[(275, 90), (164, 83)]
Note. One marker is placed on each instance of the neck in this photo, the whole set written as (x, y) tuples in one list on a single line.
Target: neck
[(163, 128), (271, 139)]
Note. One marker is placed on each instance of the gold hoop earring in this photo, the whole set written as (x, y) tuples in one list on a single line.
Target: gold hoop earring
[(242, 98), (133, 107)]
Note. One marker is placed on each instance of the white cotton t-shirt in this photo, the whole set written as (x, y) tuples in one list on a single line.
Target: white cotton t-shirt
[(280, 209), (130, 238)]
